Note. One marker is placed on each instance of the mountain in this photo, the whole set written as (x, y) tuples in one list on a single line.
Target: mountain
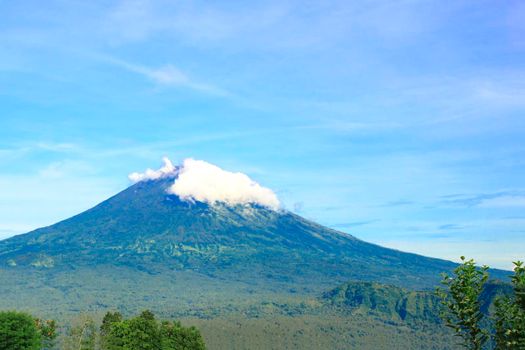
[(147, 229), (219, 266)]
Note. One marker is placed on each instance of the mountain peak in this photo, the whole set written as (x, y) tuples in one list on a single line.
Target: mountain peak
[(197, 180), (149, 227), (198, 218)]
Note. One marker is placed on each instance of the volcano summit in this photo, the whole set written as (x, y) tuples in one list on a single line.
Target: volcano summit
[(197, 241)]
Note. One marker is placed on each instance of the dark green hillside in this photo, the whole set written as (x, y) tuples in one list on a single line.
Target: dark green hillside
[(389, 302), (400, 304)]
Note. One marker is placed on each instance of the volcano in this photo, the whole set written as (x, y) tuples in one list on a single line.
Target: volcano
[(148, 246)]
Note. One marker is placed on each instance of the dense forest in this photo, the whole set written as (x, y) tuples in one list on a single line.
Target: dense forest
[(480, 314)]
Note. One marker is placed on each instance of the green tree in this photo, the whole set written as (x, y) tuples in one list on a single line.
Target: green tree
[(510, 314), (147, 315), (118, 336), (145, 333), (138, 333), (18, 331), (461, 301), (176, 337), (109, 319)]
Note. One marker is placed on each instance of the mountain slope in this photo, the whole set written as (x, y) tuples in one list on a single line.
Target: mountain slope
[(147, 229)]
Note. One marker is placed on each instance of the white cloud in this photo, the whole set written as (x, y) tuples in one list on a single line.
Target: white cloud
[(168, 169), (205, 182), (167, 75), (197, 180)]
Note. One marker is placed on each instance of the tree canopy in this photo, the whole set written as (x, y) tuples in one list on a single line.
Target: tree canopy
[(144, 332), (18, 331), (462, 309)]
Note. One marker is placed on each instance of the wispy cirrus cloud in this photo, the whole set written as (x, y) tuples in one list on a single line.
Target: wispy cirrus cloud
[(57, 146), (19, 150), (354, 223), (515, 198), (447, 227), (166, 75), (397, 203)]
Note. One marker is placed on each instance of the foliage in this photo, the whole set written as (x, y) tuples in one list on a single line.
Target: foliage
[(327, 330), (81, 334), (390, 302), (510, 314), (145, 333), (462, 303), (18, 331), (48, 332), (304, 325), (108, 320), (174, 336), (463, 313)]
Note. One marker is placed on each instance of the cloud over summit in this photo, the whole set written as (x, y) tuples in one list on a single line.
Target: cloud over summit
[(168, 169), (197, 180)]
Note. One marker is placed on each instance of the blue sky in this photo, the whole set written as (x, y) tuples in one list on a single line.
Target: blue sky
[(401, 122)]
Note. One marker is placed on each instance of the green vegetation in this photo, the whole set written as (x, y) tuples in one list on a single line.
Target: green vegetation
[(20, 330), (324, 330), (110, 318), (510, 314), (463, 311), (388, 302), (144, 332), (359, 315), (48, 332), (81, 334), (463, 304)]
